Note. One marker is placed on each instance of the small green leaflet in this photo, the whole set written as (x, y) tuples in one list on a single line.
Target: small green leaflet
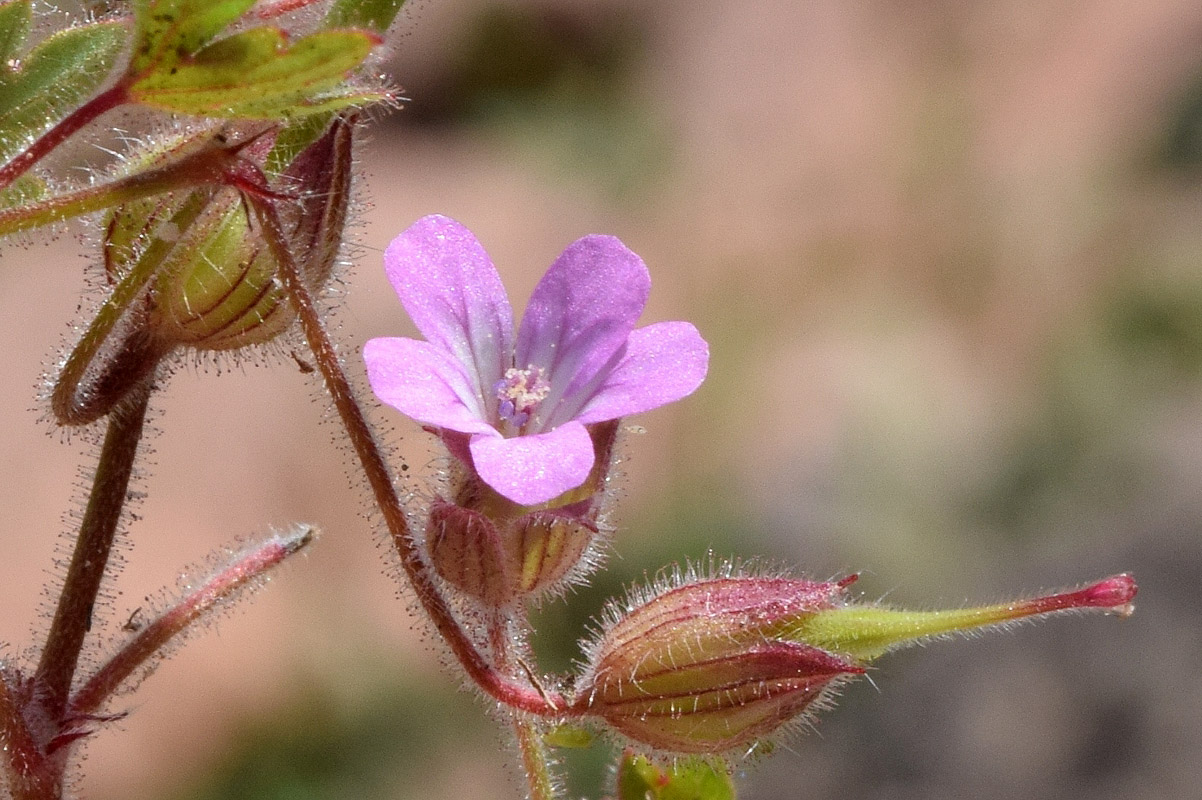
[(374, 14), (14, 27), (171, 30), (257, 74), (42, 87), (686, 779)]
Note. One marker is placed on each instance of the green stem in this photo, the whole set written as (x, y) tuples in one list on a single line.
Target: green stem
[(490, 680), (73, 616), (536, 762)]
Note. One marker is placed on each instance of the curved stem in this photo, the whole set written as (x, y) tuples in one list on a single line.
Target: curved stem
[(66, 127), (496, 684), (73, 616)]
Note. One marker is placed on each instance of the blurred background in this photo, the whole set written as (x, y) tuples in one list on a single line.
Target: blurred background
[(946, 255)]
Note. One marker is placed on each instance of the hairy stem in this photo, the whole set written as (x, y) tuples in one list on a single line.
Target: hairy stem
[(73, 616), (496, 684), (28, 774), (215, 163), (536, 762), (66, 127), (244, 569)]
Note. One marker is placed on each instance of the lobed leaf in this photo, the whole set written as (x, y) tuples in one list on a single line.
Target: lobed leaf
[(14, 27), (693, 779), (53, 79), (256, 74), (168, 31)]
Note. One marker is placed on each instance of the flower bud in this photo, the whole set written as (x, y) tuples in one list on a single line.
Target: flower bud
[(214, 284), (719, 663), (697, 669), (190, 270)]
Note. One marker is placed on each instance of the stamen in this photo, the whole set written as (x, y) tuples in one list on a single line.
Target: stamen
[(519, 394)]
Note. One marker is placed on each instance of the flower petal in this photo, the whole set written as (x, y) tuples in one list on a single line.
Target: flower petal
[(581, 312), (452, 291), (661, 364), (423, 382), (536, 468)]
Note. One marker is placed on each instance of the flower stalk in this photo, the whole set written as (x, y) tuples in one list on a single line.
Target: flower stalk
[(325, 355), (98, 529), (247, 567), (216, 163)]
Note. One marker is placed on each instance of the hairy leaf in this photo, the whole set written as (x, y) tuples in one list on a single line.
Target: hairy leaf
[(374, 14), (14, 27), (256, 74), (24, 190), (693, 779), (56, 76)]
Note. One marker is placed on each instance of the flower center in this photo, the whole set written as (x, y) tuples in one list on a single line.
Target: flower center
[(519, 394)]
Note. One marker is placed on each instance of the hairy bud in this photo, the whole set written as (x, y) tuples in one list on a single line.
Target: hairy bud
[(717, 664), (189, 269)]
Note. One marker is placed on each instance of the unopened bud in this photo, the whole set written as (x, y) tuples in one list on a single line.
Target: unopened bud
[(696, 670), (189, 269), (215, 284), (719, 663)]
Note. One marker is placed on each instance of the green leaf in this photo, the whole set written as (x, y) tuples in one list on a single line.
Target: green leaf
[(53, 79), (255, 74), (374, 14), (14, 27), (24, 190), (691, 779), (168, 31)]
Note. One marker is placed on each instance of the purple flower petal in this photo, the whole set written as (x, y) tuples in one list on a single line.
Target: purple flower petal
[(535, 468), (661, 364), (581, 312), (425, 383), (454, 295)]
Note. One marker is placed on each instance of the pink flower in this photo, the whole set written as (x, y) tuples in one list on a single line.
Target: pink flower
[(577, 360)]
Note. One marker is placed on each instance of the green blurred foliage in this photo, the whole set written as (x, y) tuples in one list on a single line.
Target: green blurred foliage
[(390, 742), (559, 83)]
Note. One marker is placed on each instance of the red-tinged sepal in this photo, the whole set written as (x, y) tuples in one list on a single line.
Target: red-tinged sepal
[(701, 668), (500, 561)]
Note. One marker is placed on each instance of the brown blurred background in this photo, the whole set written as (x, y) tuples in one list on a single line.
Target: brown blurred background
[(947, 257)]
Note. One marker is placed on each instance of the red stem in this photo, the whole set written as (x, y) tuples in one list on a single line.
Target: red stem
[(73, 616), (66, 127), (245, 568), (29, 774), (496, 684)]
